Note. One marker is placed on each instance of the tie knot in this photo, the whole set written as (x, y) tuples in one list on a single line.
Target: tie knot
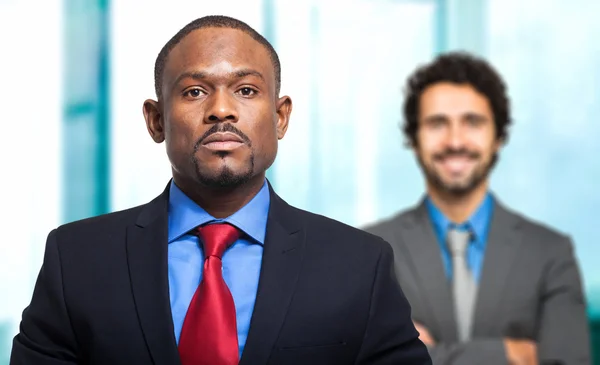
[(458, 241), (217, 237)]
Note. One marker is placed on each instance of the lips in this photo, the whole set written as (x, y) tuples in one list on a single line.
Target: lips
[(222, 141), (456, 164)]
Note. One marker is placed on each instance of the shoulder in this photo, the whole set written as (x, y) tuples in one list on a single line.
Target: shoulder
[(537, 235), (117, 221), (386, 227), (88, 242), (100, 223), (339, 235), (106, 232), (533, 227)]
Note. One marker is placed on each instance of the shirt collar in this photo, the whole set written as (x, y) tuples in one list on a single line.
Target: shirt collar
[(478, 223), (185, 214)]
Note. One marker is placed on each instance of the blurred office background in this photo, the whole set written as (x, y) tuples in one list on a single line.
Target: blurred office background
[(74, 74)]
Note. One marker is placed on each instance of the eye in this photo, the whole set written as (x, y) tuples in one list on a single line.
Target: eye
[(247, 91), (436, 123), (475, 122), (193, 93)]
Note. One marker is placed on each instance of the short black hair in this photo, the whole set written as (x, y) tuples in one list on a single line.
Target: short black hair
[(457, 68), (213, 21)]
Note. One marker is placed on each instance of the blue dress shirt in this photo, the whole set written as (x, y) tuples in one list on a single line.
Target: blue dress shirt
[(478, 224), (241, 261)]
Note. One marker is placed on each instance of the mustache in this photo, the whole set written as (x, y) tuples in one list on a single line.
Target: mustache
[(222, 128), (453, 152)]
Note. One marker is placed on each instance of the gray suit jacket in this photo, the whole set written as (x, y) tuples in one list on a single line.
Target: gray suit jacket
[(530, 288)]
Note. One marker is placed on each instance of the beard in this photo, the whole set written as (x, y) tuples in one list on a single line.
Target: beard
[(460, 188), (226, 177)]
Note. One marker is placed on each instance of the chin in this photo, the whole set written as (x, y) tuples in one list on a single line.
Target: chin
[(225, 172), (225, 176), (224, 180)]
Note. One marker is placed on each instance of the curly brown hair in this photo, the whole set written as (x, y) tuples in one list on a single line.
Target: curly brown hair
[(457, 68)]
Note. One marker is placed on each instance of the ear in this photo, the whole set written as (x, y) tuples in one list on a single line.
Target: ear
[(154, 120), (498, 143), (284, 109)]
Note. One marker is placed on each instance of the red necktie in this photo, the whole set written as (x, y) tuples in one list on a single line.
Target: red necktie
[(209, 332)]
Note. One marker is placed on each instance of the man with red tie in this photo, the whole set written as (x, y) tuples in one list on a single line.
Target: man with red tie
[(218, 269)]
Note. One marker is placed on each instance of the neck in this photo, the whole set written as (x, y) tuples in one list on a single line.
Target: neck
[(221, 202), (458, 208)]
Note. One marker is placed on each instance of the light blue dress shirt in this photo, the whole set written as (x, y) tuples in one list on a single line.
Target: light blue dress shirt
[(478, 224), (241, 261)]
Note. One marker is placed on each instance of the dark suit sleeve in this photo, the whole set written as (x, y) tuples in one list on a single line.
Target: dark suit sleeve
[(46, 336), (563, 333), (390, 336)]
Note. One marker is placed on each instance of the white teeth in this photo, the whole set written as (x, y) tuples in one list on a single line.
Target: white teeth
[(456, 164)]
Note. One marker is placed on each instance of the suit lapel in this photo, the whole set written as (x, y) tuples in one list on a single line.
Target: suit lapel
[(503, 243), (282, 258), (147, 255), (417, 232)]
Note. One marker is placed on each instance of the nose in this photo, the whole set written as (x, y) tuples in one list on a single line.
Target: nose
[(456, 135), (221, 108)]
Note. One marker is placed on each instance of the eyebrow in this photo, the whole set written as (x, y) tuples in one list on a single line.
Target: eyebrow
[(248, 72), (473, 115), (197, 75), (467, 115), (436, 118)]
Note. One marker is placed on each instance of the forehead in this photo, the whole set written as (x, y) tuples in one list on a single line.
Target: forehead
[(205, 48), (450, 98)]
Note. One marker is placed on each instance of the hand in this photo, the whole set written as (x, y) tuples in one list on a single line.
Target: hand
[(424, 335), (520, 352)]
